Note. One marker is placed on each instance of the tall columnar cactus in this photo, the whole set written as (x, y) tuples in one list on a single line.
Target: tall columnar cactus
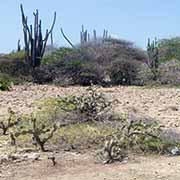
[(153, 54), (94, 35), (105, 34), (52, 40), (85, 37), (18, 46), (66, 38), (35, 44)]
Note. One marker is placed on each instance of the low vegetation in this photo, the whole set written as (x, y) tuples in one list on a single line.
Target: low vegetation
[(16, 55), (83, 122), (9, 122), (5, 82), (40, 132), (108, 62), (169, 49)]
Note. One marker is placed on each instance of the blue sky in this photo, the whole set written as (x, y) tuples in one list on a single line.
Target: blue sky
[(133, 20)]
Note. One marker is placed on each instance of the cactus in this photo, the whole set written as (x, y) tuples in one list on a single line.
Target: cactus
[(52, 41), (95, 35), (153, 54), (18, 46), (66, 38), (85, 37), (105, 34), (34, 43)]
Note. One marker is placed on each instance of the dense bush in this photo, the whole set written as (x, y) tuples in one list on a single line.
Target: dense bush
[(44, 74), (56, 55), (89, 63), (107, 51), (82, 73), (169, 49), (5, 82), (69, 72), (16, 55), (16, 68), (169, 72), (103, 62), (129, 72)]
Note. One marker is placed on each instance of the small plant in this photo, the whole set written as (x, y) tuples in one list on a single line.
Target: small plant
[(92, 103), (112, 152), (10, 122), (41, 132), (139, 135), (134, 136)]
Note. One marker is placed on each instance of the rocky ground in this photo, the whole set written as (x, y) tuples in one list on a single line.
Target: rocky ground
[(159, 103), (83, 166)]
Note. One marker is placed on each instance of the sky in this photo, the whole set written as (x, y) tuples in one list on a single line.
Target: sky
[(134, 20)]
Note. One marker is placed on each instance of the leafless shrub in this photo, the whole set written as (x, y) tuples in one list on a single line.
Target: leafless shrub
[(10, 122), (169, 72), (41, 132), (107, 51)]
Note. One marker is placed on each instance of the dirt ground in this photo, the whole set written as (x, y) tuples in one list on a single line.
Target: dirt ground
[(159, 103), (80, 167)]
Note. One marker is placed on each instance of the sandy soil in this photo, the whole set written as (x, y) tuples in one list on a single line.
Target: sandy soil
[(159, 103), (163, 104), (80, 167)]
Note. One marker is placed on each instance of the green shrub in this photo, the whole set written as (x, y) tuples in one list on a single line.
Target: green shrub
[(57, 55), (90, 63), (129, 72), (5, 82), (16, 55), (169, 49), (68, 72), (44, 74), (134, 136), (88, 106), (82, 73), (16, 69)]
